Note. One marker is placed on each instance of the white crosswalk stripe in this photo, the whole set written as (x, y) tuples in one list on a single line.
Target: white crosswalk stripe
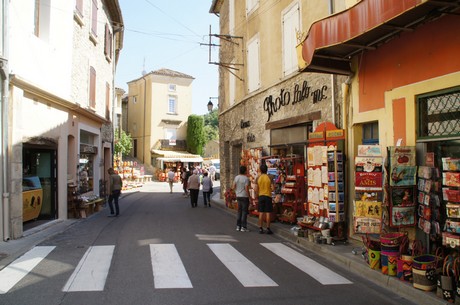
[(244, 270), (92, 270), (168, 269), (17, 270), (317, 271)]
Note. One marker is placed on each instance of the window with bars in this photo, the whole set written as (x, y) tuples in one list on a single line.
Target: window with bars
[(439, 114)]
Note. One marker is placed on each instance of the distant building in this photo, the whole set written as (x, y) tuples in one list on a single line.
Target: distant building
[(211, 149), (158, 106)]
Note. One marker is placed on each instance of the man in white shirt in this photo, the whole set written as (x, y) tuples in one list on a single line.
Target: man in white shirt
[(212, 172), (171, 176)]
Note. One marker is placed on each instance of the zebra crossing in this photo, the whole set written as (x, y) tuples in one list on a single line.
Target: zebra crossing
[(168, 269)]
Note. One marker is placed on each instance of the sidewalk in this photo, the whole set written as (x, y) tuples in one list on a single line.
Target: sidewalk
[(340, 254), (343, 255)]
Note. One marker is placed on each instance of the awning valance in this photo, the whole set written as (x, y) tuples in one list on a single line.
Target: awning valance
[(332, 42), (176, 156)]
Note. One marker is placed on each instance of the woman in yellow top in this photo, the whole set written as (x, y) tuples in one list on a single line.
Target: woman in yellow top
[(265, 206)]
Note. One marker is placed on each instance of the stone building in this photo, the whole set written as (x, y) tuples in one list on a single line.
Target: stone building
[(264, 101)]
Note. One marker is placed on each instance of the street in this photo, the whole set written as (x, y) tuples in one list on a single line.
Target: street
[(161, 251)]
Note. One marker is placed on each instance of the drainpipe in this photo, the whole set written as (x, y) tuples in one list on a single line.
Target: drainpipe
[(333, 77), (4, 126)]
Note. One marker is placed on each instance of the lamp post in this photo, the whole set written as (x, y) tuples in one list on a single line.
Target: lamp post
[(210, 104)]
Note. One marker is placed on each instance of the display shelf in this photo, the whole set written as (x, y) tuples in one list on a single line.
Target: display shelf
[(451, 201), (293, 192)]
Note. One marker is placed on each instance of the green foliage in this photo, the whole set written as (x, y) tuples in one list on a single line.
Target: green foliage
[(211, 125), (212, 119), (195, 134), (210, 133), (123, 143)]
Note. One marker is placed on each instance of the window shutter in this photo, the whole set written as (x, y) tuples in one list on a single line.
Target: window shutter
[(253, 65), (107, 101), (108, 42), (291, 24), (94, 18), (79, 6), (92, 88)]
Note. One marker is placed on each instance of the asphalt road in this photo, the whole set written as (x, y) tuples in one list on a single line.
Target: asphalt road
[(162, 251)]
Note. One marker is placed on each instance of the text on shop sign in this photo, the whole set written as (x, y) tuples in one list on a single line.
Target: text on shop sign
[(272, 105)]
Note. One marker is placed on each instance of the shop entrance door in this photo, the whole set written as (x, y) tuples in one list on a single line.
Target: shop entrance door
[(42, 163)]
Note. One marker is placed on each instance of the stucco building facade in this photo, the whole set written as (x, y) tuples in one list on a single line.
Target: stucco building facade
[(62, 60)]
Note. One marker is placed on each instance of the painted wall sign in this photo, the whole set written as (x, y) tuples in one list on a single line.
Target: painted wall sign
[(299, 94), (245, 124), (251, 137)]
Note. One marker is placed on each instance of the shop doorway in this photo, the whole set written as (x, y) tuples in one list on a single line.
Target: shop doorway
[(41, 164)]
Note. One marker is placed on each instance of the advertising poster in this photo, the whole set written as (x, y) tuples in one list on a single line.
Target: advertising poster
[(403, 175), (368, 209), (366, 225), (372, 180), (368, 164), (402, 156), (402, 216)]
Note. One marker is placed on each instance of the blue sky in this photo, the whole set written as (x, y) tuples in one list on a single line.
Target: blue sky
[(168, 34)]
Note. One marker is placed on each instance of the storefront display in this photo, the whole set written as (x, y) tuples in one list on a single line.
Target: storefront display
[(367, 215), (451, 199)]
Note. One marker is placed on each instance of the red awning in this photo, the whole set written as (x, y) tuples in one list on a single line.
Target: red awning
[(332, 42)]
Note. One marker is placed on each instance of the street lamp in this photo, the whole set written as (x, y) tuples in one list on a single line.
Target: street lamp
[(210, 104)]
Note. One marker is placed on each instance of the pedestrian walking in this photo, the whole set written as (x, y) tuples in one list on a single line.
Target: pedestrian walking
[(193, 185), (184, 178), (212, 172), (265, 207), (241, 188), (207, 189), (115, 185), (171, 176)]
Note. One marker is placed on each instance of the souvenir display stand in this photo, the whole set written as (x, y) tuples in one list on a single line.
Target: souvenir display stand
[(429, 202), (451, 199), (325, 208), (367, 212), (290, 194)]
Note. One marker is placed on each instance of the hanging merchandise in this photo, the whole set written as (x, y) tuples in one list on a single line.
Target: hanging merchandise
[(429, 203), (451, 198), (403, 172), (367, 216)]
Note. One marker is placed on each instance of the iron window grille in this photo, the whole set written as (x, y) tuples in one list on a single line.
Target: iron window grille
[(439, 114)]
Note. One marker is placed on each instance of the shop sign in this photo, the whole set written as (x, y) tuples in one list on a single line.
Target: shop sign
[(368, 179), (335, 134), (299, 94), (88, 149)]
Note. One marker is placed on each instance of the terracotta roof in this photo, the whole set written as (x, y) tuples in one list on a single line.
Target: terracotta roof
[(168, 72)]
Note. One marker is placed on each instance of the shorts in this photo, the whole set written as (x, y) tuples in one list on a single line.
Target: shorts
[(265, 204)]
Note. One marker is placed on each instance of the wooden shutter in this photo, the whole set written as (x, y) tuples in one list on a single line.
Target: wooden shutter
[(253, 65), (92, 88), (291, 24), (94, 18)]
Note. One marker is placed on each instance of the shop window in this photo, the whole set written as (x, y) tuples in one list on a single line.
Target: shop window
[(439, 114), (371, 133)]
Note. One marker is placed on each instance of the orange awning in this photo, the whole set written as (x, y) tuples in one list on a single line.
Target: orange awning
[(332, 42)]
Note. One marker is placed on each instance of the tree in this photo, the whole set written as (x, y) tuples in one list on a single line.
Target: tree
[(211, 126), (195, 134), (123, 143)]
